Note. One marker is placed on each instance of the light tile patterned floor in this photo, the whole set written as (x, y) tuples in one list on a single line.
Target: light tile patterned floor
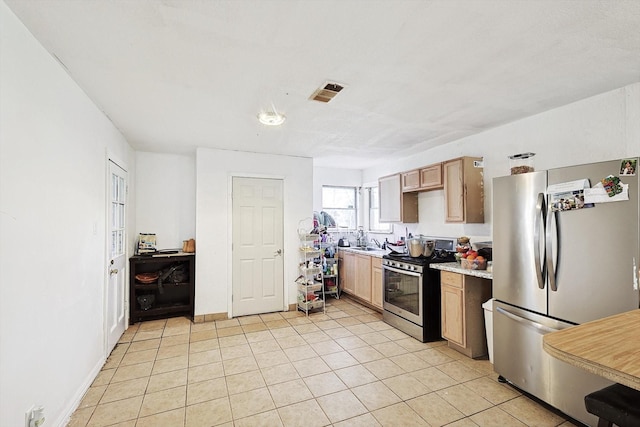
[(342, 368)]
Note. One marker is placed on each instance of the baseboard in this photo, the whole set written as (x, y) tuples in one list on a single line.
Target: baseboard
[(65, 417), (211, 317)]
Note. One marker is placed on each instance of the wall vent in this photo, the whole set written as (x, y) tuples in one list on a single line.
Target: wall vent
[(327, 92)]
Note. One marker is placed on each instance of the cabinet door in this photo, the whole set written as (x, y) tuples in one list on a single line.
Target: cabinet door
[(349, 276), (453, 191), (411, 181), (396, 206), (341, 272), (453, 314), (376, 282), (431, 177), (390, 193), (463, 190), (473, 190), (452, 307), (363, 277)]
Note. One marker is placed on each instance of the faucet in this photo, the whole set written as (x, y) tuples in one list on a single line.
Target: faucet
[(361, 241), (376, 243)]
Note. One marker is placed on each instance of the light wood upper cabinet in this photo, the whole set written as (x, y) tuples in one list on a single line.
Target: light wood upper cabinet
[(463, 190), (411, 181), (376, 282), (431, 177), (396, 206), (423, 179), (462, 316)]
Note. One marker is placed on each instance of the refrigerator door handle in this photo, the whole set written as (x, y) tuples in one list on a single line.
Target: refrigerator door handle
[(549, 246), (537, 235), (527, 322)]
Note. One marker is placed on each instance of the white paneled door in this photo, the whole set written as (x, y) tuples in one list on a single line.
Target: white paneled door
[(116, 256), (258, 284)]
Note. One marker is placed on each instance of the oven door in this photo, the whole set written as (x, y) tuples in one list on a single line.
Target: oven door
[(403, 293)]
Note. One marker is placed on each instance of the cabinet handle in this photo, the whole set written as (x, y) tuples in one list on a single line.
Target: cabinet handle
[(114, 271)]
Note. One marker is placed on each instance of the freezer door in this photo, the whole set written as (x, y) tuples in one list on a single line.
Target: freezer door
[(593, 250), (517, 349), (520, 358), (518, 250)]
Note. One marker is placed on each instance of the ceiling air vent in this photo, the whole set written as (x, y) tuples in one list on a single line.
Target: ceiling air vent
[(327, 92)]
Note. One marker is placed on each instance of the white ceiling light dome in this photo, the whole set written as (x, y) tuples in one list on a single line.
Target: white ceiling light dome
[(271, 118)]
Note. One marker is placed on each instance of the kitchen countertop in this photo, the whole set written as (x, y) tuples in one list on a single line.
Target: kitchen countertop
[(608, 347), (378, 253), (454, 267)]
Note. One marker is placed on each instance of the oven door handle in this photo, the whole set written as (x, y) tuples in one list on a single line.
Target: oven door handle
[(401, 271)]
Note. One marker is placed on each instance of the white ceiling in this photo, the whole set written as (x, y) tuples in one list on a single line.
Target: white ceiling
[(175, 75)]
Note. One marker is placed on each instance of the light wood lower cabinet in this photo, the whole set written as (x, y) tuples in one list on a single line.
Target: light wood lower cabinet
[(347, 276), (462, 314), (376, 282), (361, 277)]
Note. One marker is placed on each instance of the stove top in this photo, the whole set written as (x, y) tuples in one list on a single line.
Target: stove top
[(436, 257)]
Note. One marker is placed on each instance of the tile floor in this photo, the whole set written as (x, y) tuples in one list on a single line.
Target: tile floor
[(342, 368)]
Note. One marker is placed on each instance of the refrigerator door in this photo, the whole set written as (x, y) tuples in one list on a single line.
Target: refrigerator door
[(518, 238), (524, 363), (593, 250)]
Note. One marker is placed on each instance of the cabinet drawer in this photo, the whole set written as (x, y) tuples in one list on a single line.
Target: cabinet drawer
[(451, 279)]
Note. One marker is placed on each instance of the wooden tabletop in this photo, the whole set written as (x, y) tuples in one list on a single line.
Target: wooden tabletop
[(609, 347)]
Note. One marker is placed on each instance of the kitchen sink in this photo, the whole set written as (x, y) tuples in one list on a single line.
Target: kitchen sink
[(366, 249)]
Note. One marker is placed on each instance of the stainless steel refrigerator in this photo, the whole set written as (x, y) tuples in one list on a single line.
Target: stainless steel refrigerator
[(553, 269)]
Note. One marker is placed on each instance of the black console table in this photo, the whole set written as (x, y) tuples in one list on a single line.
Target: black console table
[(170, 294)]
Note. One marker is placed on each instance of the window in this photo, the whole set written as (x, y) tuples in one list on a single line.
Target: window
[(118, 194), (374, 212), (340, 203)]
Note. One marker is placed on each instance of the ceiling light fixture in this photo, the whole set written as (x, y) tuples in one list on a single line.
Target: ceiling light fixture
[(271, 118)]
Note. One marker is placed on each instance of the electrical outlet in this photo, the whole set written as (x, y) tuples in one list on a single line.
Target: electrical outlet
[(28, 416), (34, 417)]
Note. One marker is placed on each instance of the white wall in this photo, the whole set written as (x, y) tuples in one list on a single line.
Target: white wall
[(53, 151), (603, 127), (214, 171), (166, 197)]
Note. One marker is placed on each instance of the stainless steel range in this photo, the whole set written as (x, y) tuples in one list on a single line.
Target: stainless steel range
[(412, 291)]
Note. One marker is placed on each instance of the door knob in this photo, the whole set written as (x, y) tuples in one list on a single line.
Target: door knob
[(113, 271), (278, 252)]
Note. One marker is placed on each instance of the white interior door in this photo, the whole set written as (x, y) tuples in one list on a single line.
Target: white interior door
[(258, 284), (116, 257)]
